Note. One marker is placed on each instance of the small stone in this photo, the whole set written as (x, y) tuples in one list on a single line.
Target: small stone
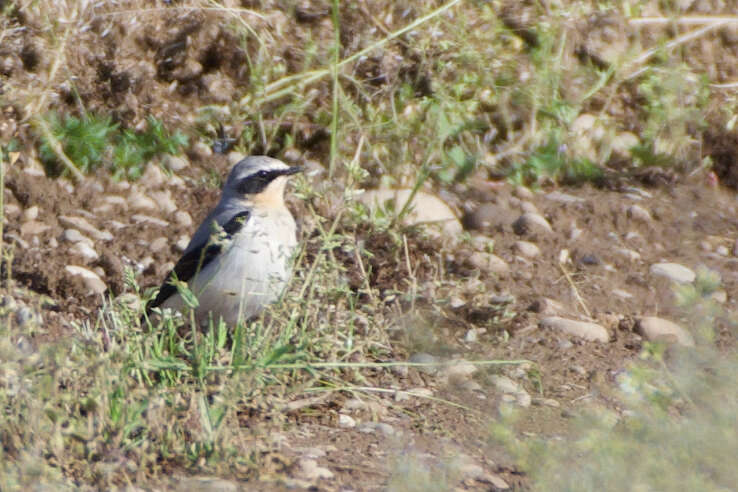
[(346, 421), (487, 216), (182, 243), (589, 259), (158, 244), (425, 209), (523, 193), (489, 262), (311, 471), (719, 296), (91, 280), (528, 207), (531, 222), (205, 484), (84, 250), (549, 402), (183, 218), (623, 294), (25, 316), (674, 272), (547, 307), (582, 329), (471, 335), (201, 150), (11, 210), (505, 384), (153, 176), (17, 240), (147, 219), (722, 250), (654, 328), (235, 157), (527, 249), (176, 163), (371, 427), (629, 254), (33, 228), (116, 201), (458, 370), (636, 212), (139, 201), (164, 201), (31, 213), (557, 196), (83, 225), (423, 358), (74, 236)]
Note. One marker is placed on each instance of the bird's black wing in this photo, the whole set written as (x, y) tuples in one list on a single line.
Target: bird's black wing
[(198, 258)]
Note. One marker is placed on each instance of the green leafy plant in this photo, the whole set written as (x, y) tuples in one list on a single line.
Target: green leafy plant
[(83, 139)]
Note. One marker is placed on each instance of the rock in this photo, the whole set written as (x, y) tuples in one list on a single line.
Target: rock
[(423, 358), (371, 427), (527, 249), (636, 212), (719, 296), (425, 208), (14, 238), (91, 280), (623, 294), (629, 254), (182, 243), (31, 213), (235, 157), (82, 224), (183, 218), (549, 402), (147, 219), (622, 143), (346, 421), (528, 207), (139, 201), (582, 329), (176, 163), (25, 316), (659, 329), (206, 484), (487, 216), (547, 307), (202, 151), (557, 196), (310, 470), (84, 250), (523, 193), (74, 236), (153, 176), (722, 250), (674, 272), (510, 387), (33, 228), (458, 370), (164, 201), (116, 201), (158, 244), (11, 210), (489, 263), (531, 223)]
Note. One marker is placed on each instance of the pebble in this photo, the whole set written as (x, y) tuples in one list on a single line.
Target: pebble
[(381, 427), (547, 307), (549, 402), (458, 370), (528, 207), (139, 201), (636, 212), (91, 280), (531, 222), (206, 484), (84, 250), (164, 201), (182, 244), (31, 213), (489, 262), (653, 328), (557, 196), (582, 329), (346, 421), (510, 387), (310, 470), (425, 208), (527, 249), (17, 240), (116, 201), (674, 272), (423, 358), (153, 176), (629, 254), (486, 216), (74, 236), (11, 210), (183, 218), (158, 244), (523, 193), (147, 219), (419, 392), (82, 224), (722, 250), (719, 296), (623, 294), (25, 316), (177, 163), (33, 228)]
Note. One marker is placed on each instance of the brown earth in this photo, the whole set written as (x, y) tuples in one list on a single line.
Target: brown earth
[(185, 60)]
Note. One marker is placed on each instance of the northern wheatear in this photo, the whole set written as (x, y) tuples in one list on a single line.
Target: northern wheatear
[(240, 258)]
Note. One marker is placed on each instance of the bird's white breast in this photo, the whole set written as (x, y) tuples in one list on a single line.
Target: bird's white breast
[(251, 271)]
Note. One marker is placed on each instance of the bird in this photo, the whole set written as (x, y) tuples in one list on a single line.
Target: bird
[(240, 258)]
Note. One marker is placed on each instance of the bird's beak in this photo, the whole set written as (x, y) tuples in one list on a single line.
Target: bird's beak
[(292, 170)]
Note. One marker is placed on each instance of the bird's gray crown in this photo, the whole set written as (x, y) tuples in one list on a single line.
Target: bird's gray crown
[(253, 174)]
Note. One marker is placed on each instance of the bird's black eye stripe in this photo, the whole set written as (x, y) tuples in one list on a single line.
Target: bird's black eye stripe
[(256, 182)]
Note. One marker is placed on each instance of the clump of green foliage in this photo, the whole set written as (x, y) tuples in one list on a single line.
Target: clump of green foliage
[(91, 141), (678, 428)]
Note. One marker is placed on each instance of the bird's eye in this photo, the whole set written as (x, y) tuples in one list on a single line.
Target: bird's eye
[(262, 174)]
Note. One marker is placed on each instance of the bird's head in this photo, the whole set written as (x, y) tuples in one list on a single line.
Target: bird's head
[(259, 180)]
